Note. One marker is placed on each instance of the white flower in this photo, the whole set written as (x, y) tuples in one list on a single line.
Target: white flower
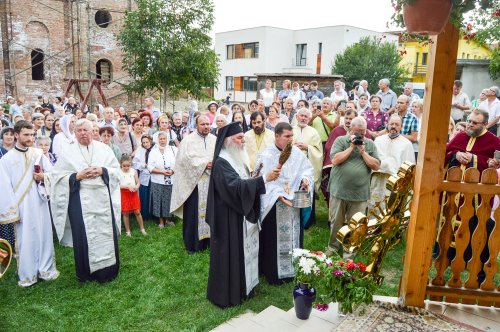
[(300, 252), (307, 265)]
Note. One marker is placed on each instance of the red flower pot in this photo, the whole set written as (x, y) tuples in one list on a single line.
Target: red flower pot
[(427, 17)]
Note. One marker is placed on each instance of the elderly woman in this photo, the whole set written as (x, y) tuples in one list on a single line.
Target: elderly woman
[(161, 165), (92, 118), (177, 128), (107, 134), (140, 163), (66, 136), (220, 121), (288, 113), (43, 143)]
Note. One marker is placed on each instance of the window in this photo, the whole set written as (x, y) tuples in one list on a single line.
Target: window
[(104, 69), (320, 48), (229, 83), (424, 59), (251, 50), (301, 55), (249, 83), (37, 69), (230, 51), (242, 51), (103, 18)]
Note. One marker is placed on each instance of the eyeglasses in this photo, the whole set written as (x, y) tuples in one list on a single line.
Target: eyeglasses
[(475, 123)]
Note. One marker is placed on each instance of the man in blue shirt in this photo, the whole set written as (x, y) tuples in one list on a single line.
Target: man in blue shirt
[(409, 121), (313, 91), (388, 96)]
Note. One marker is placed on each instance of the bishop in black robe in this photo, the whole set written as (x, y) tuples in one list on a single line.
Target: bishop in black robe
[(233, 212)]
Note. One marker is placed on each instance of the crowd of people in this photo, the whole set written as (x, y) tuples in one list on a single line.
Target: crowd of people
[(220, 170)]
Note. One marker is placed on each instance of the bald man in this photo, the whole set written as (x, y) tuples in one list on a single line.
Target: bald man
[(191, 178)]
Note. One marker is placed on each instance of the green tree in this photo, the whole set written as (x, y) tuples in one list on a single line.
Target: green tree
[(371, 59), (494, 68), (166, 47)]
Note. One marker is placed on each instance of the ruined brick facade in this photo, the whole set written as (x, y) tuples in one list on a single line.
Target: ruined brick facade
[(71, 40)]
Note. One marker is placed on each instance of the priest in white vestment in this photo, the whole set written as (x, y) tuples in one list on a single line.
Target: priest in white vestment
[(24, 200), (281, 226), (86, 205), (393, 150), (191, 179), (307, 139), (258, 138)]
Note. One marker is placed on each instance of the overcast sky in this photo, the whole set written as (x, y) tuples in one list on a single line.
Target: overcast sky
[(300, 14)]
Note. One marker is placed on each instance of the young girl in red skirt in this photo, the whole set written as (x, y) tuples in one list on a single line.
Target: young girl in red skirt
[(129, 184)]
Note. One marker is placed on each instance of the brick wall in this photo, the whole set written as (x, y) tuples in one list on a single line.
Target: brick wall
[(72, 44)]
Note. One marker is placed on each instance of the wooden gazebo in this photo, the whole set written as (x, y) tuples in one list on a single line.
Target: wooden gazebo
[(426, 206)]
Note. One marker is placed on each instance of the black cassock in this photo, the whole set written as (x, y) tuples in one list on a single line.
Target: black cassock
[(268, 248), (230, 198), (190, 224), (80, 244)]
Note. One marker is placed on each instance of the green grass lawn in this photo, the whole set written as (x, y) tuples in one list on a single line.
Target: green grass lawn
[(160, 287)]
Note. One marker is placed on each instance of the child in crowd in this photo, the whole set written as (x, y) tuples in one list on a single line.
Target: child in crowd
[(129, 184)]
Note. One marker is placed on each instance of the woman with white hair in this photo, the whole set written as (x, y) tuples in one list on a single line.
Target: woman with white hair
[(220, 121), (66, 136), (161, 165), (43, 142)]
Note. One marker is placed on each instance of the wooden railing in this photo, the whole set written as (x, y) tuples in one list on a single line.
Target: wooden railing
[(466, 198)]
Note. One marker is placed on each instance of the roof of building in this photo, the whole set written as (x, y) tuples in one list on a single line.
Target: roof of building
[(312, 28)]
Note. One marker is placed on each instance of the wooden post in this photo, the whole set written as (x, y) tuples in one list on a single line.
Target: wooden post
[(421, 233)]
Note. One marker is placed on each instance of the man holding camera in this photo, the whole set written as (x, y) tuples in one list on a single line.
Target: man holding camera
[(323, 119), (354, 157)]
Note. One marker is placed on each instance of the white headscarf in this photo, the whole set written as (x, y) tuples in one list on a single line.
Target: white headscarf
[(64, 124)]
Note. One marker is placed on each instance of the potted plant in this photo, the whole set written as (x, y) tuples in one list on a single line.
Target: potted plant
[(346, 283), (429, 17), (308, 270)]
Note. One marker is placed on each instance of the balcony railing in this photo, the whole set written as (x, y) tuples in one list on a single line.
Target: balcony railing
[(420, 70)]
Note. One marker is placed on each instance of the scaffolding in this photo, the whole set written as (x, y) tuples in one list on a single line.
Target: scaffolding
[(77, 16)]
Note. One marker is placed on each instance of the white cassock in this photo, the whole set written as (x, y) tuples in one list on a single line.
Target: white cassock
[(191, 173), (25, 202), (92, 207), (277, 250), (392, 153)]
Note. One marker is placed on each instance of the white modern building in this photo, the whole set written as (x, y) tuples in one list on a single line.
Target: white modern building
[(243, 53)]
